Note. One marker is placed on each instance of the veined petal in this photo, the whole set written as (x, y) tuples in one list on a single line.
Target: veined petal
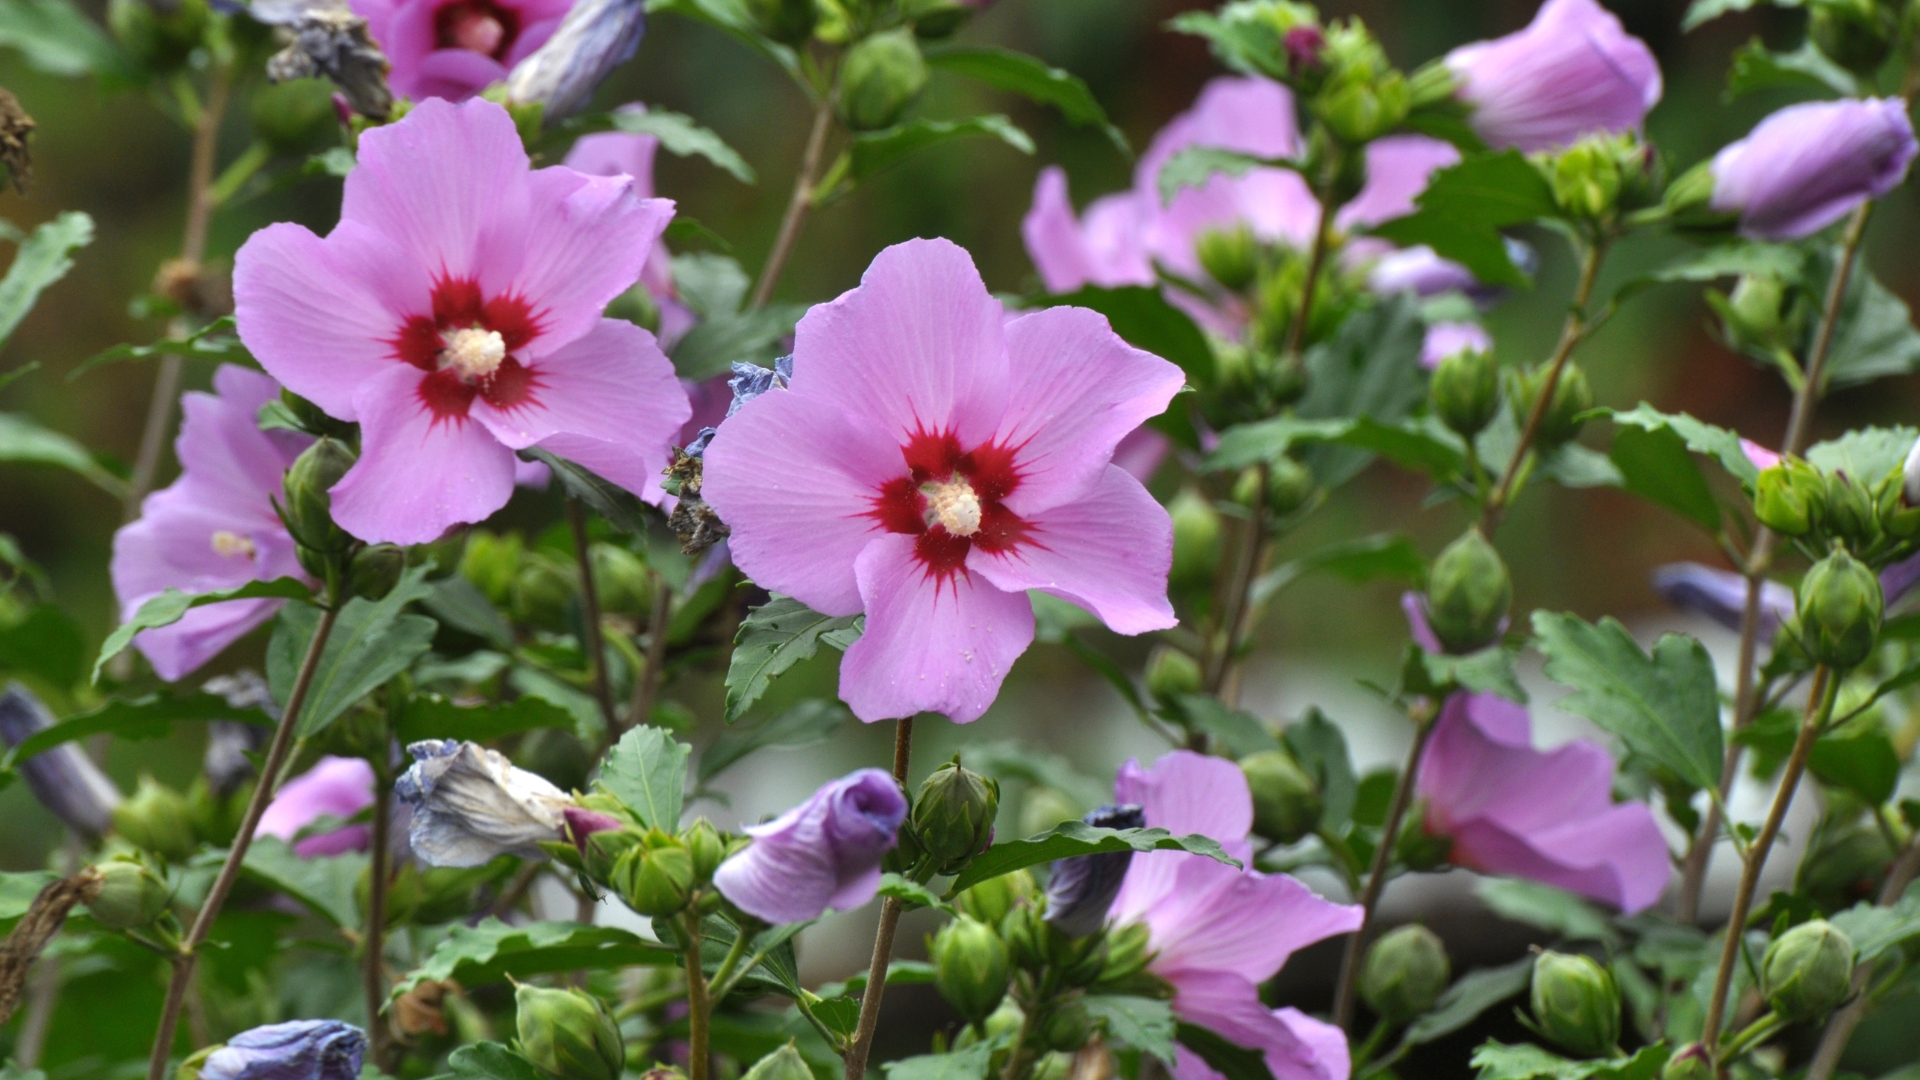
[(1217, 918), (417, 476), (587, 240)]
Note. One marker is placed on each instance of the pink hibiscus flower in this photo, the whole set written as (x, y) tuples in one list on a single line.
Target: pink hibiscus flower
[(930, 463), (616, 153), (214, 528), (454, 313), (335, 787), (1217, 933), (454, 49)]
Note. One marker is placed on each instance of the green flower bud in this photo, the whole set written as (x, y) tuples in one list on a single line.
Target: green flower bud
[(953, 815), (1586, 178), (156, 819), (1754, 316), (492, 563), (377, 569), (308, 506), (1856, 34), (970, 967), (296, 116), (1571, 397), (1691, 1063), (1042, 808), (1026, 934), (1850, 512), (542, 590), (1808, 971), (1289, 486), (1171, 672), (1840, 608), (568, 1034), (130, 896), (935, 19), (1465, 391), (1229, 256), (707, 847), (1789, 497), (159, 40), (783, 1064), (624, 583), (1196, 537), (602, 851), (1576, 1004), (655, 877), (1360, 107), (216, 818), (1286, 801), (992, 899), (1418, 849), (1406, 971), (1468, 592), (788, 22), (1129, 948), (1690, 194), (881, 76), (1067, 1026)]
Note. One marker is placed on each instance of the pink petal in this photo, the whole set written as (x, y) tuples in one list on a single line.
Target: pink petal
[(1108, 552), (1077, 391), (617, 153), (1141, 453), (453, 74), (335, 787), (1185, 792), (201, 634), (417, 478), (1398, 168), (917, 347), (613, 384), (1104, 248), (1218, 918), (1230, 1006), (796, 479), (930, 645), (619, 462), (587, 240), (321, 315)]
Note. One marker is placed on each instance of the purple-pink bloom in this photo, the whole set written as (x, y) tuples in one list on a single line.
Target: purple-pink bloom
[(617, 153), (1573, 71), (454, 313), (1547, 815), (1804, 167), (1721, 595), (929, 463), (214, 528), (1450, 338), (1420, 271), (1218, 932), (1761, 457), (453, 49), (582, 823), (1398, 168), (335, 787), (823, 854)]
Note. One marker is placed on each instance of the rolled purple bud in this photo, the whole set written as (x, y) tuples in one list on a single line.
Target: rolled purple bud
[(1721, 595), (1081, 889), (470, 805), (64, 779), (595, 37), (295, 1050), (1898, 580), (1573, 71), (1806, 166), (824, 853)]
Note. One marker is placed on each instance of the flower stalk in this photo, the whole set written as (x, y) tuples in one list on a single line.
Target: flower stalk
[(596, 649), (800, 203), (699, 1004), (373, 965), (862, 1043)]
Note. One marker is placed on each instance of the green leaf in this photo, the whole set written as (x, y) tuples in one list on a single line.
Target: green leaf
[(1865, 454), (911, 893), (214, 341), (1548, 908), (170, 606), (1874, 930), (493, 950), (1489, 671), (323, 885), (717, 343), (149, 717), (736, 19), (1144, 1024), (1071, 838), (680, 136), (621, 508), (1874, 337), (1525, 1062), (1231, 1061), (773, 637), (56, 38), (1321, 748), (1756, 67), (459, 603), (1701, 11), (1193, 166), (1665, 707), (491, 1061), (1237, 732), (1656, 466), (17, 891), (968, 1064), (1269, 440), (25, 441), (372, 641), (1724, 260), (46, 644), (875, 151), (43, 259), (1469, 996), (1009, 761), (712, 285), (1701, 438), (647, 770), (807, 724), (1143, 319), (535, 682), (1574, 466), (1028, 76), (1860, 758), (430, 716), (1370, 368), (1465, 206)]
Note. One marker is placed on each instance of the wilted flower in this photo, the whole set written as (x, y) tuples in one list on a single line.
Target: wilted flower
[(335, 787), (214, 528), (823, 854), (455, 314), (931, 462), (295, 1050), (1721, 595), (595, 37), (470, 805), (1804, 167), (617, 153), (330, 42), (454, 49), (1573, 71), (1217, 932), (1547, 815), (64, 779), (1080, 889)]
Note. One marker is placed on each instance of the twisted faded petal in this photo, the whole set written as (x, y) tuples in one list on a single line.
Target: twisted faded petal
[(1804, 167), (1573, 71), (335, 787), (295, 1050), (470, 804), (823, 854)]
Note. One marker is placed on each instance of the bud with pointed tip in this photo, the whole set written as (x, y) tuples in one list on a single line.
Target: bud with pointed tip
[(309, 504), (655, 877), (622, 580), (377, 569), (1468, 592), (1789, 497), (568, 1034), (707, 847), (1572, 396), (970, 967), (1576, 1003), (1840, 610), (1406, 971), (1286, 801), (1465, 391), (1808, 971), (1691, 1063), (953, 815)]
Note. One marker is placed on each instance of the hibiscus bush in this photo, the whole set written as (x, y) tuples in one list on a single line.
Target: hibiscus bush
[(518, 511)]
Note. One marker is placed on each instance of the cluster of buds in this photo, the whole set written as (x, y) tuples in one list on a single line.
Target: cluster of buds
[(1339, 69), (951, 821), (324, 549), (542, 589), (1876, 519), (654, 872), (1602, 175), (1468, 594), (1565, 412)]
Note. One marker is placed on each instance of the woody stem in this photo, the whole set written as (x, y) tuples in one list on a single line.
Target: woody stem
[(862, 1042)]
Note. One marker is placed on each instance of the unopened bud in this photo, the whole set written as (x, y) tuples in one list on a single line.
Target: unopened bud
[(309, 506), (1754, 313), (1172, 672), (296, 116), (707, 847), (1576, 1004), (1360, 108), (1856, 34), (1586, 178), (783, 1064), (1788, 496), (1691, 1063), (1290, 485), (1808, 971), (992, 899), (542, 590), (160, 40), (1850, 511), (492, 563), (1129, 948), (130, 896), (1196, 537), (1465, 391), (377, 569), (1025, 932), (1286, 801), (1229, 255), (568, 1034), (656, 877), (1406, 971), (1468, 592), (1068, 1025), (1840, 607), (1571, 396), (881, 76), (156, 818), (970, 967), (561, 75), (624, 583), (953, 815)]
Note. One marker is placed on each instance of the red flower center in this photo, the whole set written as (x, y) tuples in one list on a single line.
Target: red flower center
[(951, 499), (477, 26), (466, 348)]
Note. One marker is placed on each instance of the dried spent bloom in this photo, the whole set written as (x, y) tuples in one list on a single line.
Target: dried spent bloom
[(929, 463), (1217, 932), (1805, 167), (64, 779), (823, 854), (617, 153), (214, 528), (1547, 815), (471, 804), (295, 1050), (453, 49), (1721, 595), (595, 37), (16, 128), (1572, 71), (454, 313), (335, 787), (330, 42)]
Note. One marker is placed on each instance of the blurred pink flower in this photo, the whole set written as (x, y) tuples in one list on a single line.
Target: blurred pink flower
[(823, 854), (930, 463), (214, 528), (1216, 932), (454, 49), (1808, 165), (455, 314), (1547, 815), (1447, 338), (616, 153), (1761, 457), (335, 787), (1573, 71)]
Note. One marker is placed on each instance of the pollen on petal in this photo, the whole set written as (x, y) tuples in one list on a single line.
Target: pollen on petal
[(227, 545)]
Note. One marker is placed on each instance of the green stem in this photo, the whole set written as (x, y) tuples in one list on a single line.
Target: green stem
[(373, 971), (804, 184), (723, 976), (699, 1004)]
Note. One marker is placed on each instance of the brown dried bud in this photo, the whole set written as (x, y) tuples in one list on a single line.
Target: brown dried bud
[(420, 1010), (333, 43), (15, 127)]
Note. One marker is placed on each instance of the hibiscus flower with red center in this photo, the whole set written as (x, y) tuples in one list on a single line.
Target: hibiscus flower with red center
[(454, 49)]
